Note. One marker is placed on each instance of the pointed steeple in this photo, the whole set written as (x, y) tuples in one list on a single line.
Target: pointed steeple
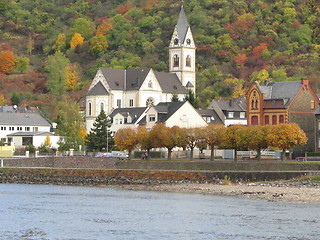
[(182, 25)]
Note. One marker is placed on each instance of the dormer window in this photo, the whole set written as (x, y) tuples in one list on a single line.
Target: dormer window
[(230, 114), (176, 61)]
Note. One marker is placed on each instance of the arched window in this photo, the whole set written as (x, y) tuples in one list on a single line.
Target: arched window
[(101, 106), (274, 120), (254, 101), (266, 120), (176, 61), (90, 109), (150, 84), (188, 61), (281, 119)]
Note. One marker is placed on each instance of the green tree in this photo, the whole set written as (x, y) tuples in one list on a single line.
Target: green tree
[(70, 125), (83, 26), (56, 73), (100, 137), (192, 99), (22, 64)]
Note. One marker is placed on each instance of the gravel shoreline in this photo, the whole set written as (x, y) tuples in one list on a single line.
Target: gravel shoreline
[(273, 191)]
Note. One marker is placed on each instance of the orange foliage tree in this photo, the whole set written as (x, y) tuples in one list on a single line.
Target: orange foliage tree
[(144, 139), (212, 136), (286, 136), (104, 27), (76, 40), (233, 138), (242, 26), (126, 139), (240, 59), (125, 8), (7, 62), (259, 50)]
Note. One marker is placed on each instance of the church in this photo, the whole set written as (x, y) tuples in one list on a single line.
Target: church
[(133, 88)]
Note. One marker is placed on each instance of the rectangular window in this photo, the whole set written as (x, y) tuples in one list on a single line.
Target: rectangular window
[(19, 128), (119, 103), (116, 121), (313, 105), (131, 103), (35, 129), (152, 117), (27, 129), (27, 141), (120, 121), (3, 128), (230, 114), (242, 114), (9, 139), (11, 128)]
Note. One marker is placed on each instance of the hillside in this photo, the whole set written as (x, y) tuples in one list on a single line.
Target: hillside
[(58, 45)]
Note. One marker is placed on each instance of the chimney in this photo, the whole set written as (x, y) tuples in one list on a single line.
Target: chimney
[(305, 83)]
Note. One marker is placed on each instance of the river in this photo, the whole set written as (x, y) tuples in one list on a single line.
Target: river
[(68, 212)]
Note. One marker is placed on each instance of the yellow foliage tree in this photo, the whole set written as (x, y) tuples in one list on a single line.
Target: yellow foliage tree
[(104, 27), (60, 43), (71, 76), (47, 141), (236, 86), (2, 100), (286, 136), (98, 44), (76, 40)]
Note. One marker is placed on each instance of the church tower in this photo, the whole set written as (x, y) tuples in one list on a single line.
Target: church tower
[(182, 53)]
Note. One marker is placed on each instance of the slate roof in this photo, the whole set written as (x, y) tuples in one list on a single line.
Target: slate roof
[(285, 91), (98, 90), (29, 134), (24, 119), (132, 79), (134, 113), (182, 25), (215, 119), (237, 104), (170, 83), (167, 109)]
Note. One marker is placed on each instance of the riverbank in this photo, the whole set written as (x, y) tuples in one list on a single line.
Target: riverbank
[(263, 191), (305, 189)]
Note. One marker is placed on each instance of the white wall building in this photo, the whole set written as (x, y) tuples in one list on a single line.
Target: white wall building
[(133, 88)]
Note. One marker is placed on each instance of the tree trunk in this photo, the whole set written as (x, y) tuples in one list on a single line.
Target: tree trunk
[(235, 155), (212, 153), (148, 154), (283, 157), (191, 153), (169, 153), (129, 155), (259, 154)]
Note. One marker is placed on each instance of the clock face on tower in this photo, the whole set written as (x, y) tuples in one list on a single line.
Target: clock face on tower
[(176, 41)]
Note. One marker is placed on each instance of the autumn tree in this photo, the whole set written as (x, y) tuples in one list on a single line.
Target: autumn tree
[(7, 62), (212, 136), (144, 139), (76, 40), (104, 27), (232, 138), (100, 137), (193, 135), (22, 64), (60, 43), (98, 45), (126, 139), (256, 138), (286, 136), (84, 27), (71, 76)]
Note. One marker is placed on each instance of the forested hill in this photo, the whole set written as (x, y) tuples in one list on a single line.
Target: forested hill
[(51, 49)]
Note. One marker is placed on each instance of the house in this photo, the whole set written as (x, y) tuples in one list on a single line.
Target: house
[(210, 116), (126, 118), (284, 102), (181, 114), (36, 139), (231, 111), (137, 88), (20, 127)]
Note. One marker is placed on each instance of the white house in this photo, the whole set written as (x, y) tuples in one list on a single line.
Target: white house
[(181, 114), (231, 111), (137, 88), (23, 128)]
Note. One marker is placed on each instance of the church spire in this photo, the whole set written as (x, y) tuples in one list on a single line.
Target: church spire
[(182, 24)]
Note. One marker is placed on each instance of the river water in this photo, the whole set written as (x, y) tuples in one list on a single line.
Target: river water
[(67, 212)]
